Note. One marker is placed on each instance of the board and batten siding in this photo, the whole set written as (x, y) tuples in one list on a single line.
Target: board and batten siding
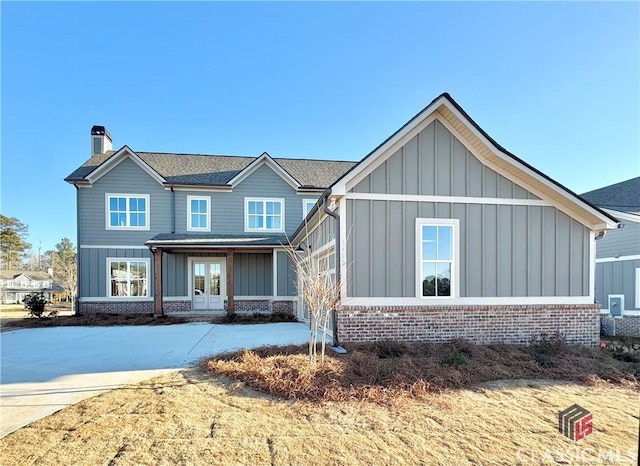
[(621, 242), (619, 278), (322, 234), (93, 266), (287, 276), (126, 178), (505, 250), (435, 163)]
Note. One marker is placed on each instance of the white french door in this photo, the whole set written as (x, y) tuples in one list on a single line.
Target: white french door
[(208, 284)]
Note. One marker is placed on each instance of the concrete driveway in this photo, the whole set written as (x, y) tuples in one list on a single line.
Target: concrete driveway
[(44, 370)]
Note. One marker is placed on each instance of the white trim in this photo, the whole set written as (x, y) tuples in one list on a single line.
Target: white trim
[(175, 298), (264, 159), (637, 303), (127, 196), (264, 200), (342, 225), (265, 298), (115, 246), (455, 259), (108, 261), (207, 199), (305, 212), (116, 159), (223, 276), (197, 188), (480, 301), (633, 257), (623, 215), (323, 248), (592, 265), (449, 199)]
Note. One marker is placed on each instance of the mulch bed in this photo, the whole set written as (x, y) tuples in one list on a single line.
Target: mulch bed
[(386, 372)]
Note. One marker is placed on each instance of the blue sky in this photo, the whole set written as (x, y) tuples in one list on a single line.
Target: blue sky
[(555, 83)]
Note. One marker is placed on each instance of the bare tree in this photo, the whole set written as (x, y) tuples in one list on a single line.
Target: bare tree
[(65, 268), (319, 292)]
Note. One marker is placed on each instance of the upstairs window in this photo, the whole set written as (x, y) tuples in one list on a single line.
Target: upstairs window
[(264, 214), (437, 257), (24, 284), (127, 212), (128, 278), (46, 284), (198, 215), (307, 205), (10, 284)]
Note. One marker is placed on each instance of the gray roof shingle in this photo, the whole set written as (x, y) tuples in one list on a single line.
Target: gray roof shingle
[(198, 169), (623, 196)]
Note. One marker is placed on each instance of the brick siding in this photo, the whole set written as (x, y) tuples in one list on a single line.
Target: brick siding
[(176, 307), (628, 326), (480, 324)]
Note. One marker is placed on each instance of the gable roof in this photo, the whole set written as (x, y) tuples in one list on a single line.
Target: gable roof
[(623, 196), (30, 274), (218, 170), (488, 151)]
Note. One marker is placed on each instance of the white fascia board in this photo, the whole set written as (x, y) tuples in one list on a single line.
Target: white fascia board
[(509, 159), (365, 166), (257, 163), (118, 158), (197, 188), (623, 215)]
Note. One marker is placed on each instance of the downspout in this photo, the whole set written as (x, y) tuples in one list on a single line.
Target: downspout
[(336, 217), (173, 211)]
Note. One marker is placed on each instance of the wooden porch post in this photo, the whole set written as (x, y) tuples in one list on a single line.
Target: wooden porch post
[(230, 292), (157, 284)]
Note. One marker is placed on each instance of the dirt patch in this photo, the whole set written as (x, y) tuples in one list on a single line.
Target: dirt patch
[(385, 373), (191, 417)]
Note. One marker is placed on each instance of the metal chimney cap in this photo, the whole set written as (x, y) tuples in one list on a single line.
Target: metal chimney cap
[(100, 131)]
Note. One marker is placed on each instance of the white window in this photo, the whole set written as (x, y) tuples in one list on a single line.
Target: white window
[(127, 211), (24, 284), (307, 205), (264, 214), (46, 284), (128, 278), (35, 284), (198, 215), (10, 284), (437, 257)]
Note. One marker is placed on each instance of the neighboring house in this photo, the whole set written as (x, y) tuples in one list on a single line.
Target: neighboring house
[(618, 258), (16, 284), (439, 233)]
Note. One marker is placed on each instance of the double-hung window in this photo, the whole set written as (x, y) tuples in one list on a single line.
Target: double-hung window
[(307, 205), (127, 211), (264, 214), (199, 214), (128, 278), (437, 252)]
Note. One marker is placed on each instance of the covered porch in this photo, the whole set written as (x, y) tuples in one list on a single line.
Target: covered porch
[(215, 275)]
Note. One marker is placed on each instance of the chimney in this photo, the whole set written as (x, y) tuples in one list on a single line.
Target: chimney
[(100, 140)]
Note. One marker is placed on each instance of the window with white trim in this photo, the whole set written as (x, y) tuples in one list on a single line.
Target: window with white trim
[(307, 205), (24, 284), (46, 284), (198, 215), (128, 278), (127, 211), (264, 214), (10, 284), (437, 257)]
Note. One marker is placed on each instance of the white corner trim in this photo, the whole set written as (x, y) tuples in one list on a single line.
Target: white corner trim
[(264, 159), (207, 227), (447, 199), (637, 303), (342, 225), (488, 301), (592, 265), (633, 257)]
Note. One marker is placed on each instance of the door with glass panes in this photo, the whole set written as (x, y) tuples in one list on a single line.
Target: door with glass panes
[(208, 284)]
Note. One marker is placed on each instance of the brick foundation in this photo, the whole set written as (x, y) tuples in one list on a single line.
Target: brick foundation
[(176, 307), (628, 326), (578, 324)]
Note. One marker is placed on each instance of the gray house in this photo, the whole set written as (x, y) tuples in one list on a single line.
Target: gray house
[(16, 284), (439, 233), (618, 259)]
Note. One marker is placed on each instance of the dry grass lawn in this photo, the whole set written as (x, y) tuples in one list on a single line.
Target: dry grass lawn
[(389, 417), (191, 418)]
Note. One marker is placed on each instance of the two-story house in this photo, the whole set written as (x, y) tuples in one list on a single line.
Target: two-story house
[(219, 226), (16, 284), (438, 233), (618, 258)]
